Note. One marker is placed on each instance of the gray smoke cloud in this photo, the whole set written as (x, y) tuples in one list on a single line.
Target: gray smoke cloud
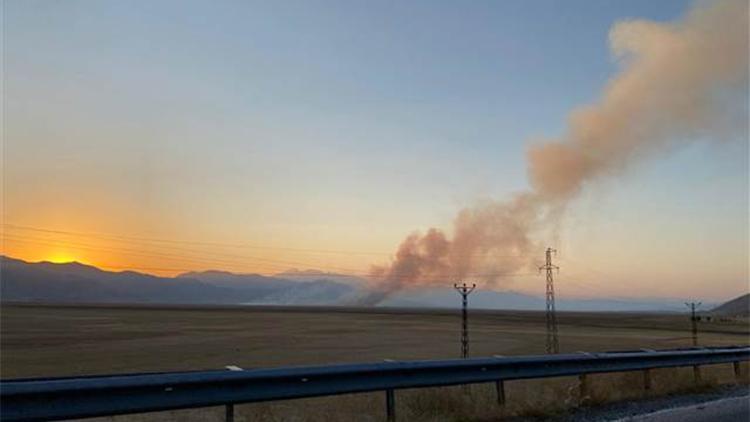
[(678, 83)]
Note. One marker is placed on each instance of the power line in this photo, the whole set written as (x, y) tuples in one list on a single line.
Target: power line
[(203, 253), (221, 255), (148, 254), (117, 237), (270, 263), (222, 259)]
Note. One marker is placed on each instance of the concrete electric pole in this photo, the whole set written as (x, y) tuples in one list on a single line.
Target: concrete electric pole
[(464, 290)]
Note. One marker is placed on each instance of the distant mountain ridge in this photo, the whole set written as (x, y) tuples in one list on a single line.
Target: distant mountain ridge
[(266, 290), (737, 307), (256, 283), (75, 282), (315, 275), (79, 283)]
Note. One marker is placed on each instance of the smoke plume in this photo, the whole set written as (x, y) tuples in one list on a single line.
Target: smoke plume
[(678, 83)]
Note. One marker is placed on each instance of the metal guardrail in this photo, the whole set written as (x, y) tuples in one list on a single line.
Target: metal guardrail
[(66, 398)]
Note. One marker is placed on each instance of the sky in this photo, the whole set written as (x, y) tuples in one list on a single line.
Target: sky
[(170, 136)]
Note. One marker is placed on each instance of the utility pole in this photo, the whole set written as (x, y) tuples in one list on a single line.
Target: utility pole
[(553, 346), (464, 290), (694, 320)]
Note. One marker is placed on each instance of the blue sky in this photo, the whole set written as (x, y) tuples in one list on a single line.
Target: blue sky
[(347, 123)]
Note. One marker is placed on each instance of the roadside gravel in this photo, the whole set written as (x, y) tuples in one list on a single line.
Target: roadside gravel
[(615, 411), (632, 408)]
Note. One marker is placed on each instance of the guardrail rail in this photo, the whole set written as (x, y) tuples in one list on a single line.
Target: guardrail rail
[(81, 397)]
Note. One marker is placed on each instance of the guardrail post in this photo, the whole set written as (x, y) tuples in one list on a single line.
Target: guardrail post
[(647, 380), (583, 385), (229, 413), (737, 373), (500, 388), (390, 405), (697, 373)]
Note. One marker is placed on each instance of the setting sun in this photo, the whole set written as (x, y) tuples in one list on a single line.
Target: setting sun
[(61, 257)]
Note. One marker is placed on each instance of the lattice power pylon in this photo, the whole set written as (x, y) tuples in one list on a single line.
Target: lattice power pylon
[(553, 345)]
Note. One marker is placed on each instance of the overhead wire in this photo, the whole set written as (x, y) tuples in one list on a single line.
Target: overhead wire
[(111, 236), (192, 260), (183, 253)]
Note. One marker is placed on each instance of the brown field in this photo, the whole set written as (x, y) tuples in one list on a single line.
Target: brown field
[(54, 340)]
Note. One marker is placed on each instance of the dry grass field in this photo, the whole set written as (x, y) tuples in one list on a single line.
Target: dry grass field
[(54, 340)]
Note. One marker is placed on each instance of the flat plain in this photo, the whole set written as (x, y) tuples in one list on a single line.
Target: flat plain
[(61, 340)]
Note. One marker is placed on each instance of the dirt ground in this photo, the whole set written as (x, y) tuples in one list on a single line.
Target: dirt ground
[(55, 340)]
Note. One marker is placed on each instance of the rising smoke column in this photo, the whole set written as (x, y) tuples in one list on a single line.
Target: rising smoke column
[(678, 83)]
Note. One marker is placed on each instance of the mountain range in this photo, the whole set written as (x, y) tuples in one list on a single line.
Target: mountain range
[(22, 281), (74, 282), (738, 307)]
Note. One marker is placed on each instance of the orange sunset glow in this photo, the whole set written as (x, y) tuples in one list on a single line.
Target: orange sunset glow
[(414, 205), (447, 170)]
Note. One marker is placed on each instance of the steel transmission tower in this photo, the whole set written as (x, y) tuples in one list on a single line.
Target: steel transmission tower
[(694, 320), (553, 345), (464, 290)]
